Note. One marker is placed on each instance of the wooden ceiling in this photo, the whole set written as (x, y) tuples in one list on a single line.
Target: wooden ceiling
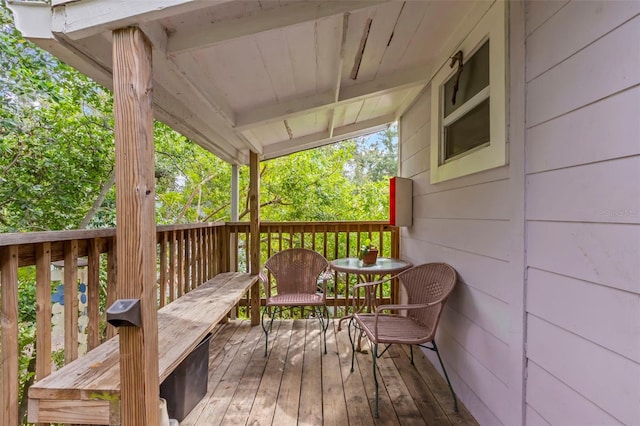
[(274, 77)]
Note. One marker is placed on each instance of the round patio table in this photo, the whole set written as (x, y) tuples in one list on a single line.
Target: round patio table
[(367, 273)]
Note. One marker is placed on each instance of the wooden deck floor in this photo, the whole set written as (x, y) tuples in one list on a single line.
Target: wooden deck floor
[(297, 384)]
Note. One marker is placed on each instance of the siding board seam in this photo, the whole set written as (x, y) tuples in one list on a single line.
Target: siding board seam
[(588, 104), (506, 344), (586, 222), (589, 163), (470, 354), (580, 336), (459, 250), (582, 280), (595, 404), (586, 46), (541, 24), (471, 185)]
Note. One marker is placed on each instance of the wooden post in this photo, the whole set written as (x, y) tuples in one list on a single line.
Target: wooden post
[(9, 340), (136, 231), (254, 229)]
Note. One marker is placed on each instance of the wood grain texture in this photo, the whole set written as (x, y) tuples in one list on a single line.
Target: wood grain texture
[(254, 207), (135, 206), (9, 338), (97, 375), (43, 310), (93, 292), (71, 301), (112, 285)]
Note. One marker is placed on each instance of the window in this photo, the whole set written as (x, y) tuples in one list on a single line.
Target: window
[(468, 106)]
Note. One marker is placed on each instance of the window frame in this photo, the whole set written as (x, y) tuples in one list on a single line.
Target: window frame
[(492, 27)]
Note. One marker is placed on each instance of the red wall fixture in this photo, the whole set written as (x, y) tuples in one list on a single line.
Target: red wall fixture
[(400, 201)]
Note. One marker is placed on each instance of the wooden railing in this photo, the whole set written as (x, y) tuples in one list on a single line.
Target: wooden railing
[(332, 239), (187, 256)]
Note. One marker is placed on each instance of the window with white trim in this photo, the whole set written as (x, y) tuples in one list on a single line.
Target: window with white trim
[(468, 102)]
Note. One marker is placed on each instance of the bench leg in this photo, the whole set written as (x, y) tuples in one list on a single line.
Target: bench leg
[(255, 303)]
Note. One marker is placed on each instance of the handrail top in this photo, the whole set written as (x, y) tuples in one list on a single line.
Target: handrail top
[(23, 238), (20, 238)]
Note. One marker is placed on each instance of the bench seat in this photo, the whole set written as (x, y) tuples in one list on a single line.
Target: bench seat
[(87, 390)]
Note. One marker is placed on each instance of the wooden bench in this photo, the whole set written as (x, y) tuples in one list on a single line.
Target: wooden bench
[(87, 390)]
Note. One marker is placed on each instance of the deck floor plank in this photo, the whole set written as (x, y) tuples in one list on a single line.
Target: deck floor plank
[(359, 412), (425, 401), (286, 412), (266, 398), (440, 390), (334, 406), (227, 376), (310, 411), (298, 385), (388, 416), (220, 342)]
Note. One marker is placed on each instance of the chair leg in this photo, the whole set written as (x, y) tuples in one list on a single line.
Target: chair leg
[(353, 343), (446, 376), (325, 325), (265, 328), (374, 355)]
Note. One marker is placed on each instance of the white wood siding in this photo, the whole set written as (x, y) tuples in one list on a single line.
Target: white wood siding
[(475, 223), (583, 213)]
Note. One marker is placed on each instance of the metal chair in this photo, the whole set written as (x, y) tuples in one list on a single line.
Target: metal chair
[(427, 287), (298, 278)]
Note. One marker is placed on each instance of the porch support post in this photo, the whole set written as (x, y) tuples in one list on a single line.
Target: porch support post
[(135, 232), (235, 197), (254, 229), (235, 192)]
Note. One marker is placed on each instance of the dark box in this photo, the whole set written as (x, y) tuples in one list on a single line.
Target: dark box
[(187, 384)]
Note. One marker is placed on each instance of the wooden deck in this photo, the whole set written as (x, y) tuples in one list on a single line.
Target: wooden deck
[(297, 384)]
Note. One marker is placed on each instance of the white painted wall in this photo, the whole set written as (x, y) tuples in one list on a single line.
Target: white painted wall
[(548, 247), (583, 212), (476, 224)]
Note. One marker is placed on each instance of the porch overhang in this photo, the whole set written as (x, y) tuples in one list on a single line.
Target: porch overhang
[(268, 77)]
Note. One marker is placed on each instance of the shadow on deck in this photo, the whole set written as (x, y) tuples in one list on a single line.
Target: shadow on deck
[(297, 384)]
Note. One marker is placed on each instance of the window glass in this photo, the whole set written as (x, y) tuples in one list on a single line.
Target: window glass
[(474, 78), (469, 131)]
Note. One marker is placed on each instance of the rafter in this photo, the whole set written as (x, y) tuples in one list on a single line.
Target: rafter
[(323, 138), (293, 13), (338, 78), (324, 101)]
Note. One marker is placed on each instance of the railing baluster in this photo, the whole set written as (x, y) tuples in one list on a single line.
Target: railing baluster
[(70, 301), (93, 295), (9, 339), (112, 287), (163, 269), (43, 310), (180, 267)]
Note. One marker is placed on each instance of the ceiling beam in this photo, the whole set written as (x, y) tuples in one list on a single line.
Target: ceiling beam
[(417, 77), (293, 13), (323, 138), (82, 19), (338, 77)]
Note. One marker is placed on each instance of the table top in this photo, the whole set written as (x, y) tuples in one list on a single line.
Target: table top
[(383, 266)]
